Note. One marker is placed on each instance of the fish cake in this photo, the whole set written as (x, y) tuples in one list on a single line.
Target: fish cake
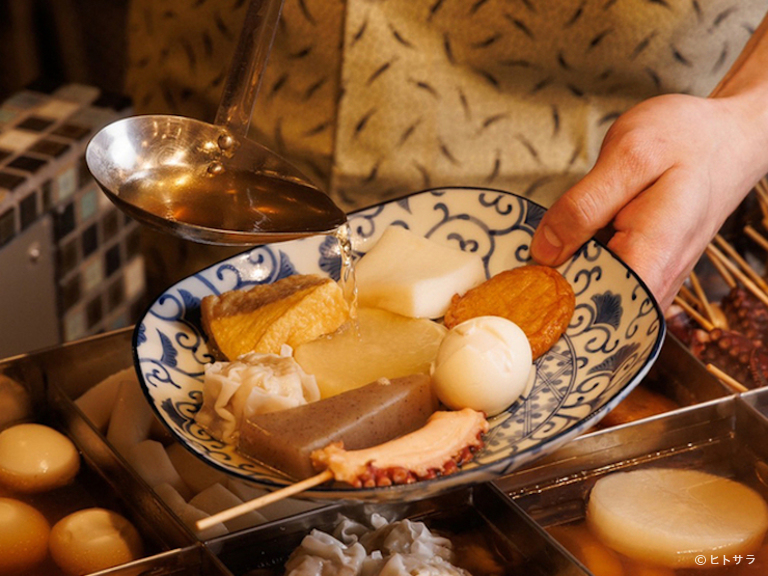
[(536, 298)]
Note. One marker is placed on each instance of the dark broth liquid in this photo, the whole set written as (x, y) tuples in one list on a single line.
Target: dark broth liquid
[(87, 490), (752, 564), (232, 200)]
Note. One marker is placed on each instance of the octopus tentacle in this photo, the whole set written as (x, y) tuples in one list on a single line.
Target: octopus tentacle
[(440, 447)]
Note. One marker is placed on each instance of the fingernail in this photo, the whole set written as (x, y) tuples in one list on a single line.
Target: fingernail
[(546, 246)]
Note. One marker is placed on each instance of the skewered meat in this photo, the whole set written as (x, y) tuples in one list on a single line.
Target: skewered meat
[(446, 441), (746, 314), (741, 350), (758, 366), (733, 353)]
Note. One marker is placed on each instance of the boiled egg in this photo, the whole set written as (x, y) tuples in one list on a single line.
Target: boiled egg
[(36, 458), (484, 363), (23, 536), (15, 401), (93, 539)]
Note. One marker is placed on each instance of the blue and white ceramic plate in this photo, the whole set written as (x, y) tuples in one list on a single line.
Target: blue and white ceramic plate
[(613, 339)]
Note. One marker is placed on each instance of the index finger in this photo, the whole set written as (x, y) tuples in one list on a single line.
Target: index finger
[(618, 176)]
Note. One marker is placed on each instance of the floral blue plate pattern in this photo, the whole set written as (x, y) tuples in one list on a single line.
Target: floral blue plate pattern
[(614, 337)]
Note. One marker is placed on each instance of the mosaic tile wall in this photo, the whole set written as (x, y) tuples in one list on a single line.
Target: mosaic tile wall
[(99, 272)]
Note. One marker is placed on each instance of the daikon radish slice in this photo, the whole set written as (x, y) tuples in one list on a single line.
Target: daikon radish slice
[(411, 275), (152, 463), (196, 474), (187, 513), (668, 517), (131, 418), (381, 345), (97, 402)]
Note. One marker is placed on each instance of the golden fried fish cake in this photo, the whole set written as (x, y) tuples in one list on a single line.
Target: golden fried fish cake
[(536, 298)]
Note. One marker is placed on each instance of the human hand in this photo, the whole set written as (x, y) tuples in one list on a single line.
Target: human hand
[(669, 173)]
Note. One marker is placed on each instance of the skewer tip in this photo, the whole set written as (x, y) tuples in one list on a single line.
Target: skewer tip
[(261, 501)]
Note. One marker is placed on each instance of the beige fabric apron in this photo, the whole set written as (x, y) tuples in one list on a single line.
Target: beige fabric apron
[(378, 98)]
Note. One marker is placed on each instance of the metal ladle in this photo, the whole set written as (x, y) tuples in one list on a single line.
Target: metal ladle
[(208, 182)]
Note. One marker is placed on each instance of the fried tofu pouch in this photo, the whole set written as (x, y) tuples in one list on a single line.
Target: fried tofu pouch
[(536, 298), (291, 311)]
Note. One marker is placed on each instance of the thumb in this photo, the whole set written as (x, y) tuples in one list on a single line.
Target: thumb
[(589, 206)]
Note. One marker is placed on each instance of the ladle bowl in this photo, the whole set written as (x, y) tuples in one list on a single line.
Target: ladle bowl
[(198, 181), (209, 182)]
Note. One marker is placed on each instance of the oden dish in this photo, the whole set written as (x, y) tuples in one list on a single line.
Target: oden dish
[(613, 338)]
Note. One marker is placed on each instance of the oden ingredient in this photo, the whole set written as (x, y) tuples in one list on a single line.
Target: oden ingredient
[(359, 418), (668, 517), (445, 442), (536, 298), (380, 345), (15, 401), (253, 384), (36, 458), (484, 364), (23, 537), (402, 547), (93, 539), (290, 311), (411, 275)]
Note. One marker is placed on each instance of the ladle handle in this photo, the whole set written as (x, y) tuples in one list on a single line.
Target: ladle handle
[(247, 67)]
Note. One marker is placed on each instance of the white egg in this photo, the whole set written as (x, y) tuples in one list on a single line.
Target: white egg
[(36, 458), (484, 364), (93, 539), (23, 536)]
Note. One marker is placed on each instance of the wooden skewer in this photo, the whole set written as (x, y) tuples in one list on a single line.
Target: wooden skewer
[(262, 501), (748, 270), (686, 294), (699, 291), (726, 379), (723, 271), (763, 204), (762, 187), (756, 236), (762, 191), (762, 199), (737, 273), (703, 322)]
